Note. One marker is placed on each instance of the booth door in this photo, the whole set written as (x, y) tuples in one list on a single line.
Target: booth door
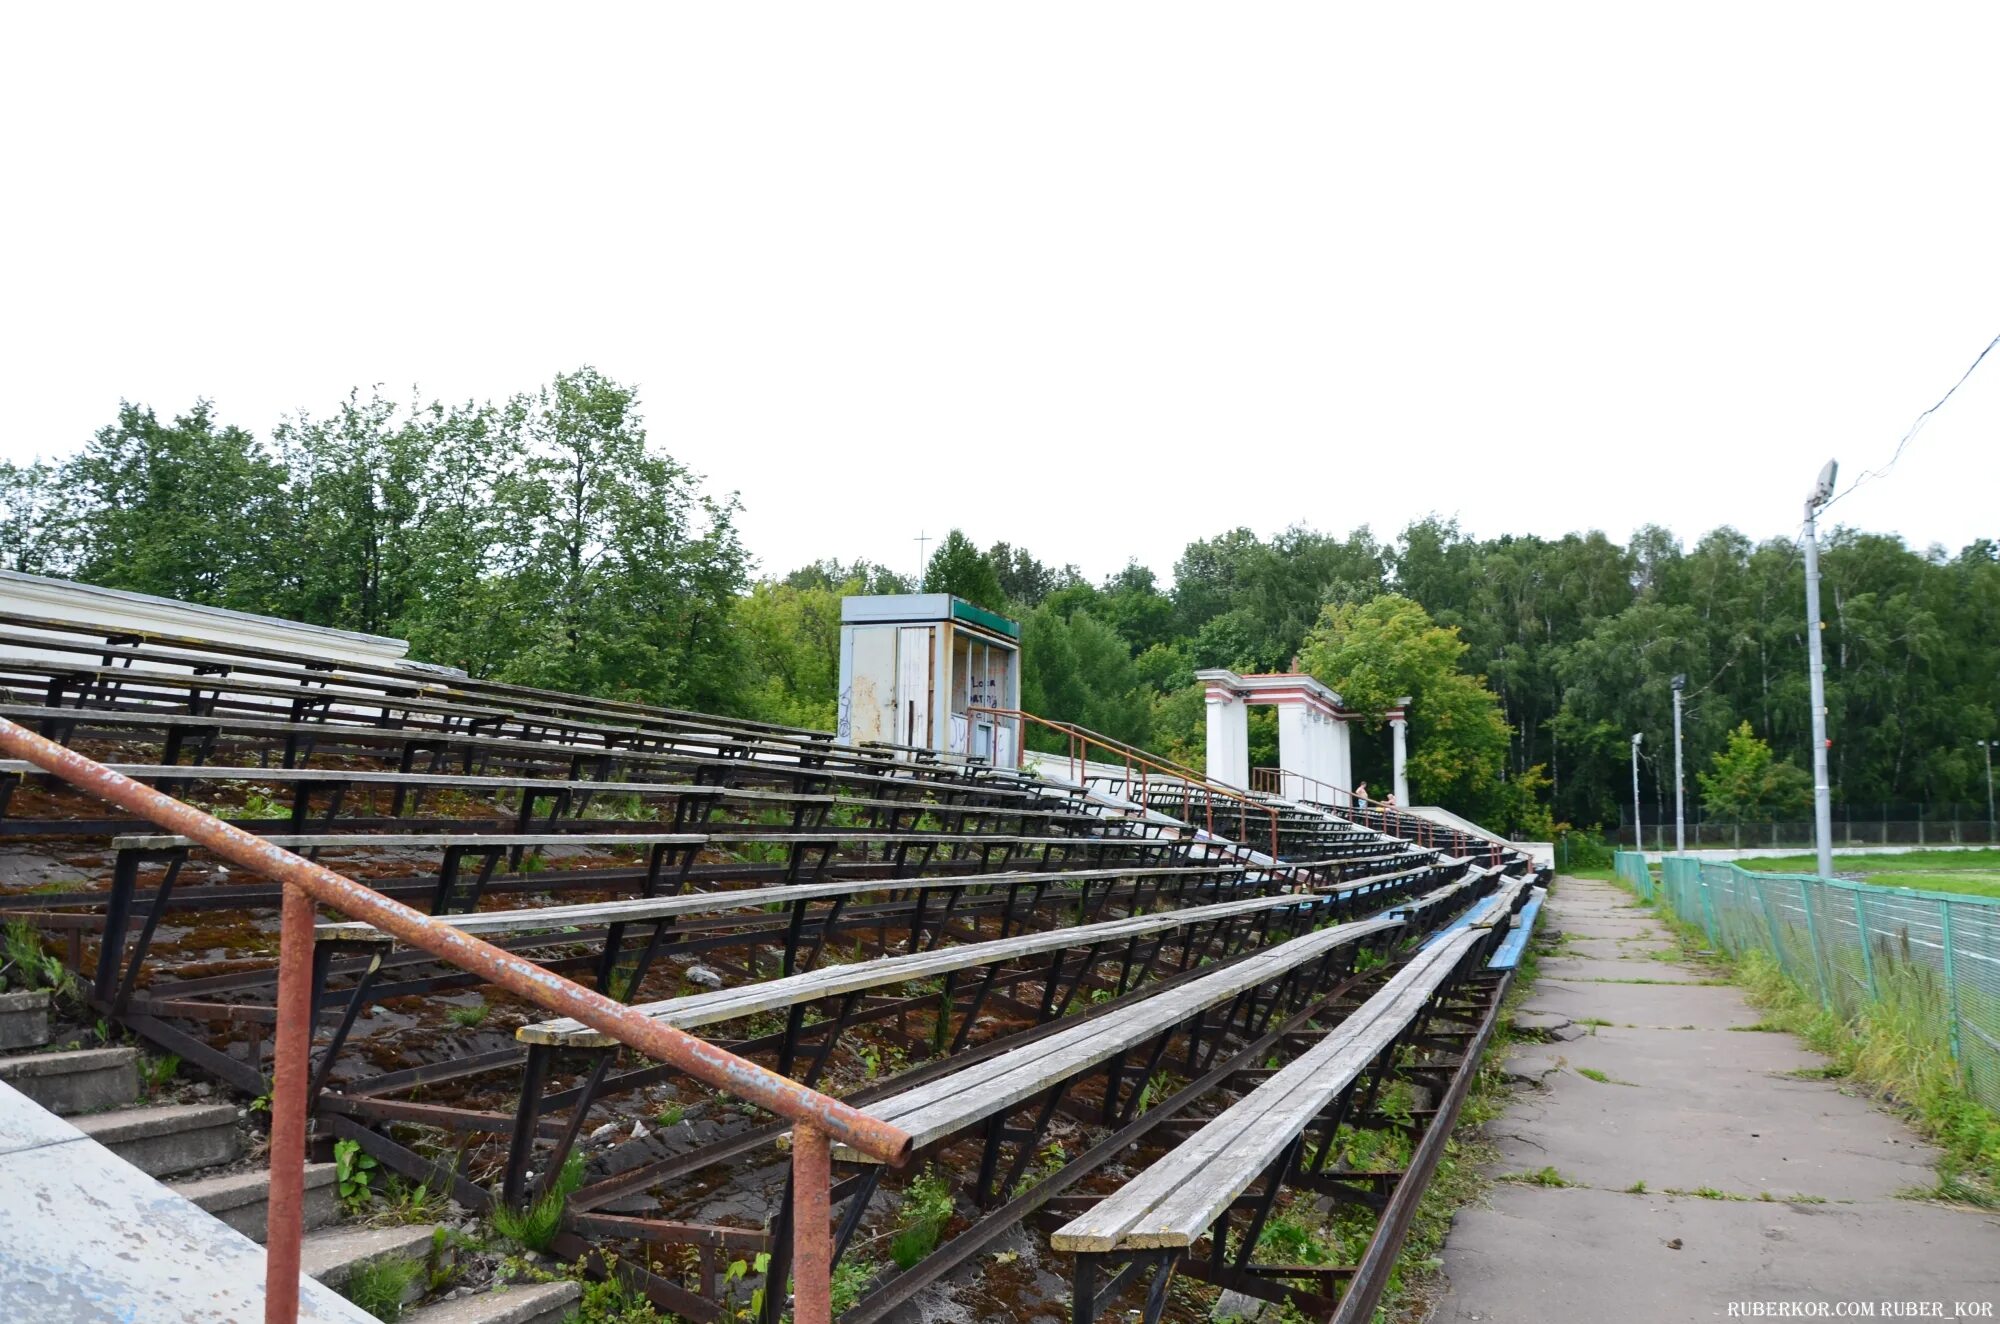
[(913, 686)]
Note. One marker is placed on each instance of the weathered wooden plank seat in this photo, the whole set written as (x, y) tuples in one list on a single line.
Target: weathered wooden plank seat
[(492, 923), (808, 856), (533, 709), (1190, 1192), (222, 652), (1176, 1199), (100, 682), (1419, 906), (353, 699), (395, 701), (1226, 926), (693, 802), (309, 711), (198, 733), (835, 980), (945, 1107)]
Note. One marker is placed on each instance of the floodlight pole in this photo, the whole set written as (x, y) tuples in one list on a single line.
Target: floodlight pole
[(1638, 824), (1680, 791), (1822, 791), (1987, 745)]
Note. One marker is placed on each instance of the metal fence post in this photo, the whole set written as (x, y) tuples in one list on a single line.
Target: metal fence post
[(286, 1220), (1812, 940), (1771, 919), (1867, 947), (1950, 975), (812, 1246)]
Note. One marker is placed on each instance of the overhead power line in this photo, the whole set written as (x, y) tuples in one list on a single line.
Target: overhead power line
[(1867, 475)]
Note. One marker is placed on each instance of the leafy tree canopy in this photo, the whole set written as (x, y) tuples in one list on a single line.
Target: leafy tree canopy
[(1747, 785), (1376, 653)]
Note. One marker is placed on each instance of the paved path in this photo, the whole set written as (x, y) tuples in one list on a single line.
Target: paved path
[(1695, 1105)]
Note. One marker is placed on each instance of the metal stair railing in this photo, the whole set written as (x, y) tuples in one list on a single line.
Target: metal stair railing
[(1373, 814), (1142, 770), (818, 1119)]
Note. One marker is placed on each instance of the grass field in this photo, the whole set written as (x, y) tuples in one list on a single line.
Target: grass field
[(1972, 871)]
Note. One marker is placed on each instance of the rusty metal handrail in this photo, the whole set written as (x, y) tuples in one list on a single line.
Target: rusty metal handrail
[(817, 1118), (1273, 781), (1145, 764), (1410, 827)]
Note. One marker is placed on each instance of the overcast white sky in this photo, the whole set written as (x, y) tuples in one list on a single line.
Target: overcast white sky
[(1095, 279)]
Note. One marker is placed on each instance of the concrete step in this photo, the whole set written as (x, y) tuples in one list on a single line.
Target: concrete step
[(243, 1199), (170, 1138), (87, 1237), (24, 1019), (517, 1303), (82, 1081), (332, 1253)]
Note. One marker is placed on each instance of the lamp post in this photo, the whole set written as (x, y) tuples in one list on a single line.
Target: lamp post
[(1638, 824), (1987, 745), (1680, 791), (1822, 793)]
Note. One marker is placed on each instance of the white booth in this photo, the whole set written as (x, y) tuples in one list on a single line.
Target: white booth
[(915, 668)]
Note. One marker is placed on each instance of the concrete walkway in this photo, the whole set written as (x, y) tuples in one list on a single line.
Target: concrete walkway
[(1799, 1178)]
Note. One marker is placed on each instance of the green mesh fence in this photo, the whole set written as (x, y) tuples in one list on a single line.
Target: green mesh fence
[(1929, 960), (1634, 872)]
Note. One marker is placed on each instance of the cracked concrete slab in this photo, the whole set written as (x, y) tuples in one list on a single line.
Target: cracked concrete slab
[(1620, 967), (1534, 1255), (1689, 1103), (1702, 1006)]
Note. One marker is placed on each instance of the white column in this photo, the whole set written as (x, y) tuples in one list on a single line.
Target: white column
[(1295, 748), (1228, 738), (1320, 764), (1341, 769), (1401, 726)]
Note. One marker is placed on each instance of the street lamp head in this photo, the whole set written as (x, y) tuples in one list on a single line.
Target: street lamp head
[(1680, 682), (1823, 489), (1637, 736)]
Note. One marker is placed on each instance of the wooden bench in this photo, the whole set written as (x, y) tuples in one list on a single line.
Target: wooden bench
[(691, 800), (491, 923), (946, 1107), (181, 731), (1512, 947), (1158, 1216), (1229, 926), (837, 980)]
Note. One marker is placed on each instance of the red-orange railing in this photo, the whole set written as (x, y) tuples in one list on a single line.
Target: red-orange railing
[(1297, 786), (1142, 771), (817, 1118)]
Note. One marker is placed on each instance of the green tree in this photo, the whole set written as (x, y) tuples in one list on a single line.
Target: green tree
[(959, 568), (34, 519), (1377, 652), (185, 509), (624, 574), (1024, 580), (1078, 669), (1747, 785), (790, 637), (861, 576), (395, 514), (1132, 604)]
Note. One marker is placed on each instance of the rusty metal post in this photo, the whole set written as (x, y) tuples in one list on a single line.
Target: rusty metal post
[(812, 1241), (288, 1110)]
